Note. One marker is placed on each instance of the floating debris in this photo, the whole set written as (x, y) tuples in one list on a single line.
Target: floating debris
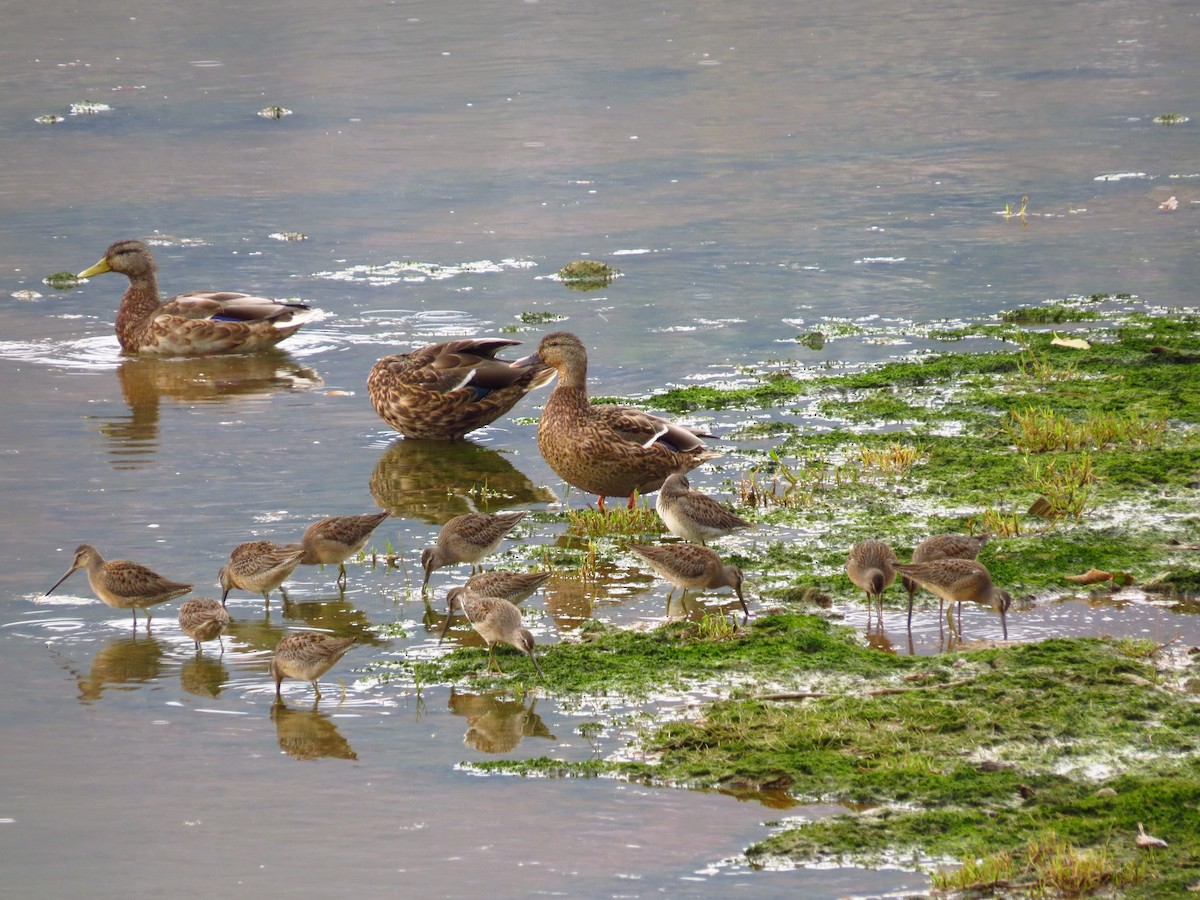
[(88, 108), (587, 274), (25, 295), (274, 112), (289, 236), (814, 340), (396, 271), (1171, 119), (1120, 176), (49, 120), (61, 281), (1169, 205)]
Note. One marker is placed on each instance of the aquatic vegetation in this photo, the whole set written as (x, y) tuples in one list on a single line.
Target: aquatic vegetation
[(617, 520), (1171, 119), (587, 274)]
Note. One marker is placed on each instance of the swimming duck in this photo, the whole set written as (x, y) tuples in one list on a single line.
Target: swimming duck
[(443, 391), (193, 323), (611, 451)]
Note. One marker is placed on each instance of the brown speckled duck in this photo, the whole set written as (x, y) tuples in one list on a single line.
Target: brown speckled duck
[(194, 323), (611, 451), (444, 391)]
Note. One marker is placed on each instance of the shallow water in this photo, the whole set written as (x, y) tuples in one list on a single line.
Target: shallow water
[(753, 171)]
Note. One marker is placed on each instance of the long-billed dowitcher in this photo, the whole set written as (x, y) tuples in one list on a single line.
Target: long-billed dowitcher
[(690, 566), (444, 391), (941, 546), (196, 322), (692, 515), (610, 451), (494, 619), (337, 538), (123, 584), (958, 580), (260, 567), (468, 539), (512, 586), (871, 567), (306, 656), (203, 620)]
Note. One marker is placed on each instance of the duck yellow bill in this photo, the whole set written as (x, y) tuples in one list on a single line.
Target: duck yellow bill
[(98, 269)]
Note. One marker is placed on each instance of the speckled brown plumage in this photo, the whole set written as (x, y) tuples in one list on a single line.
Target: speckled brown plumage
[(692, 515), (690, 566), (512, 586), (337, 538), (610, 451), (494, 619), (871, 567), (941, 546), (958, 580), (196, 322), (307, 655), (260, 567), (468, 539), (123, 584), (203, 620), (443, 391)]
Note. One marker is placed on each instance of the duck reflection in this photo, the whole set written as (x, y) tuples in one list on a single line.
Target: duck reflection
[(204, 676), (496, 724), (415, 479), (145, 381), (309, 734), (123, 663)]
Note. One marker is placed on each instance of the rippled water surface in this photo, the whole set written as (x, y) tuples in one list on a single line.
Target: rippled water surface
[(754, 170)]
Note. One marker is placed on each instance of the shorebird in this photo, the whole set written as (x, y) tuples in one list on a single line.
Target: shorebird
[(467, 539), (123, 584), (307, 655), (610, 451), (941, 546), (337, 538), (871, 567), (690, 566), (494, 619), (692, 515), (196, 322), (512, 586), (260, 567), (203, 620), (957, 580)]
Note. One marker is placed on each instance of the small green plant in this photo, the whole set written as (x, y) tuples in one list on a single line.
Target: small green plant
[(895, 459), (1040, 430), (61, 281), (1019, 212), (716, 627), (1171, 119), (1042, 368), (619, 521), (1001, 524), (539, 318), (1062, 484)]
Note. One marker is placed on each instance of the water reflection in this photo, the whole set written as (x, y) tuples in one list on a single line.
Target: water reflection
[(309, 734), (430, 481), (122, 663), (204, 676), (496, 723), (145, 381), (336, 616)]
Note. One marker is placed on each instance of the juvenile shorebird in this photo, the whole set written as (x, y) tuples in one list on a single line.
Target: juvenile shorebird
[(467, 539), (512, 586), (956, 580), (692, 515), (306, 656), (337, 538), (941, 546), (495, 620), (690, 566), (123, 584), (611, 451), (260, 567), (871, 567), (203, 620)]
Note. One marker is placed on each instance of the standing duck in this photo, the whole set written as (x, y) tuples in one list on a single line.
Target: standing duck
[(611, 451), (194, 323), (443, 391)]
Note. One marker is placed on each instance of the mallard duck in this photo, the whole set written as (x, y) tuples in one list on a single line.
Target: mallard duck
[(610, 451), (123, 584), (443, 391), (193, 323)]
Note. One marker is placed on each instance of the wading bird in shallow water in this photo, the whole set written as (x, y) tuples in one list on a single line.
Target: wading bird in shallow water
[(306, 656), (941, 546), (494, 619), (467, 539), (871, 567), (260, 567), (610, 451), (692, 515), (958, 580), (123, 584), (203, 620), (443, 391), (196, 322), (336, 539), (512, 586), (690, 566)]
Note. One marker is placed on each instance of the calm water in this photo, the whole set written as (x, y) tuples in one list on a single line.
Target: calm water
[(751, 168)]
